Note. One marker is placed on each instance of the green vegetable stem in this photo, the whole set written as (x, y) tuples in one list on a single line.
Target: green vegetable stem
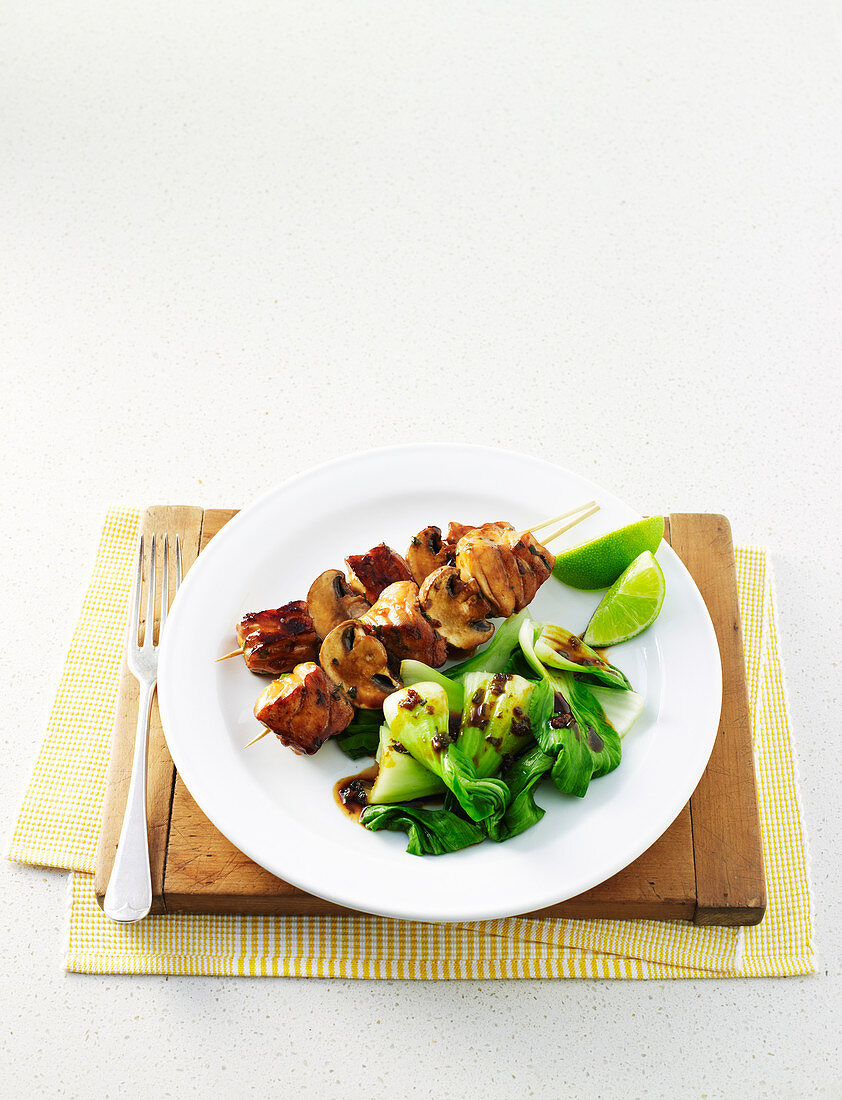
[(419, 720), (400, 777)]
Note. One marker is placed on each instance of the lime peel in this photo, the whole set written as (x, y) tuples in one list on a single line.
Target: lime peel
[(598, 564)]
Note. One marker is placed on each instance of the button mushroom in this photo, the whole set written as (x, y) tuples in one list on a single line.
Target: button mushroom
[(428, 552), (331, 601), (457, 609), (358, 662), (276, 640), (398, 622), (376, 570), (303, 708), (494, 568)]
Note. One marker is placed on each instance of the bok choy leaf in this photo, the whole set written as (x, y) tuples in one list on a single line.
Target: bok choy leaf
[(622, 708), (431, 832), (589, 744), (419, 719), (521, 779), (560, 649), (362, 736), (576, 732)]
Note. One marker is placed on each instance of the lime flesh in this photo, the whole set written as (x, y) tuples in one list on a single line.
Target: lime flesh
[(631, 605), (599, 563)]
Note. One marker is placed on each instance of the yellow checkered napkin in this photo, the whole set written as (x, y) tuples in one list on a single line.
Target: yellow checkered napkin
[(59, 823)]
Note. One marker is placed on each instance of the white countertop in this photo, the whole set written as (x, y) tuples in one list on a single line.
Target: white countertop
[(240, 242)]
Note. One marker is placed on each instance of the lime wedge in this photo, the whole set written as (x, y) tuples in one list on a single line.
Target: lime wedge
[(631, 604), (599, 563)]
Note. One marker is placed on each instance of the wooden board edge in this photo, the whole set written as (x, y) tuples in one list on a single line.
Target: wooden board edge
[(730, 891)]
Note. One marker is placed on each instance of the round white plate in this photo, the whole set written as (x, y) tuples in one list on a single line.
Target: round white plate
[(278, 808)]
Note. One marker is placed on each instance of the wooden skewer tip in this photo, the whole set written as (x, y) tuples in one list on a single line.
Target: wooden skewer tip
[(259, 737), (228, 656)]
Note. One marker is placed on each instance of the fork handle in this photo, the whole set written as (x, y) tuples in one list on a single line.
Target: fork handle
[(129, 894)]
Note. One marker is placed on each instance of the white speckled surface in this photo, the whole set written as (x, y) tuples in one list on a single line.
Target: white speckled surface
[(239, 242)]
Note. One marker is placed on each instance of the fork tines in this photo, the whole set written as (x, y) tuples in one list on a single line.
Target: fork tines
[(148, 643)]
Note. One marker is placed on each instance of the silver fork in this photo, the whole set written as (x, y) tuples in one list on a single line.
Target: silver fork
[(129, 894)]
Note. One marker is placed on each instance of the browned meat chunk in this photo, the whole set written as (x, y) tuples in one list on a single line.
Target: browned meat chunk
[(494, 568), (376, 570), (398, 622), (508, 567), (275, 641), (534, 562), (493, 531), (303, 708)]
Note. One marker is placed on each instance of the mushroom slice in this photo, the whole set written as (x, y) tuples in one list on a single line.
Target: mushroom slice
[(494, 568), (377, 569), (428, 552), (276, 640), (303, 708), (456, 608), (398, 622), (331, 601), (357, 661)]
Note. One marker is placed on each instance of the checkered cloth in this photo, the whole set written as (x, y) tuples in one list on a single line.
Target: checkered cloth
[(59, 824)]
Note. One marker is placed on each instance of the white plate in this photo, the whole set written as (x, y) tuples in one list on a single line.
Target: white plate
[(278, 808)]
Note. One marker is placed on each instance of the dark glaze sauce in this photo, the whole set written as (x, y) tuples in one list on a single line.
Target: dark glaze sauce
[(478, 714), (498, 683), (351, 793), (563, 716), (441, 742), (572, 650), (521, 725)]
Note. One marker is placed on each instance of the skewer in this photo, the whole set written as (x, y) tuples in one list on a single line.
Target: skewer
[(228, 656), (564, 515), (587, 509), (259, 737), (567, 526)]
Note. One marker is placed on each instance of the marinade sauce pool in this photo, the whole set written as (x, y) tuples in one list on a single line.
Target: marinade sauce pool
[(351, 793)]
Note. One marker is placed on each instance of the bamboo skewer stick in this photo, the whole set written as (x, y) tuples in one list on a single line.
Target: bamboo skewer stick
[(563, 515), (567, 526), (228, 656), (259, 737)]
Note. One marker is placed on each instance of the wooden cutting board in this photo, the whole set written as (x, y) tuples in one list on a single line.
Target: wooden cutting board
[(706, 868)]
